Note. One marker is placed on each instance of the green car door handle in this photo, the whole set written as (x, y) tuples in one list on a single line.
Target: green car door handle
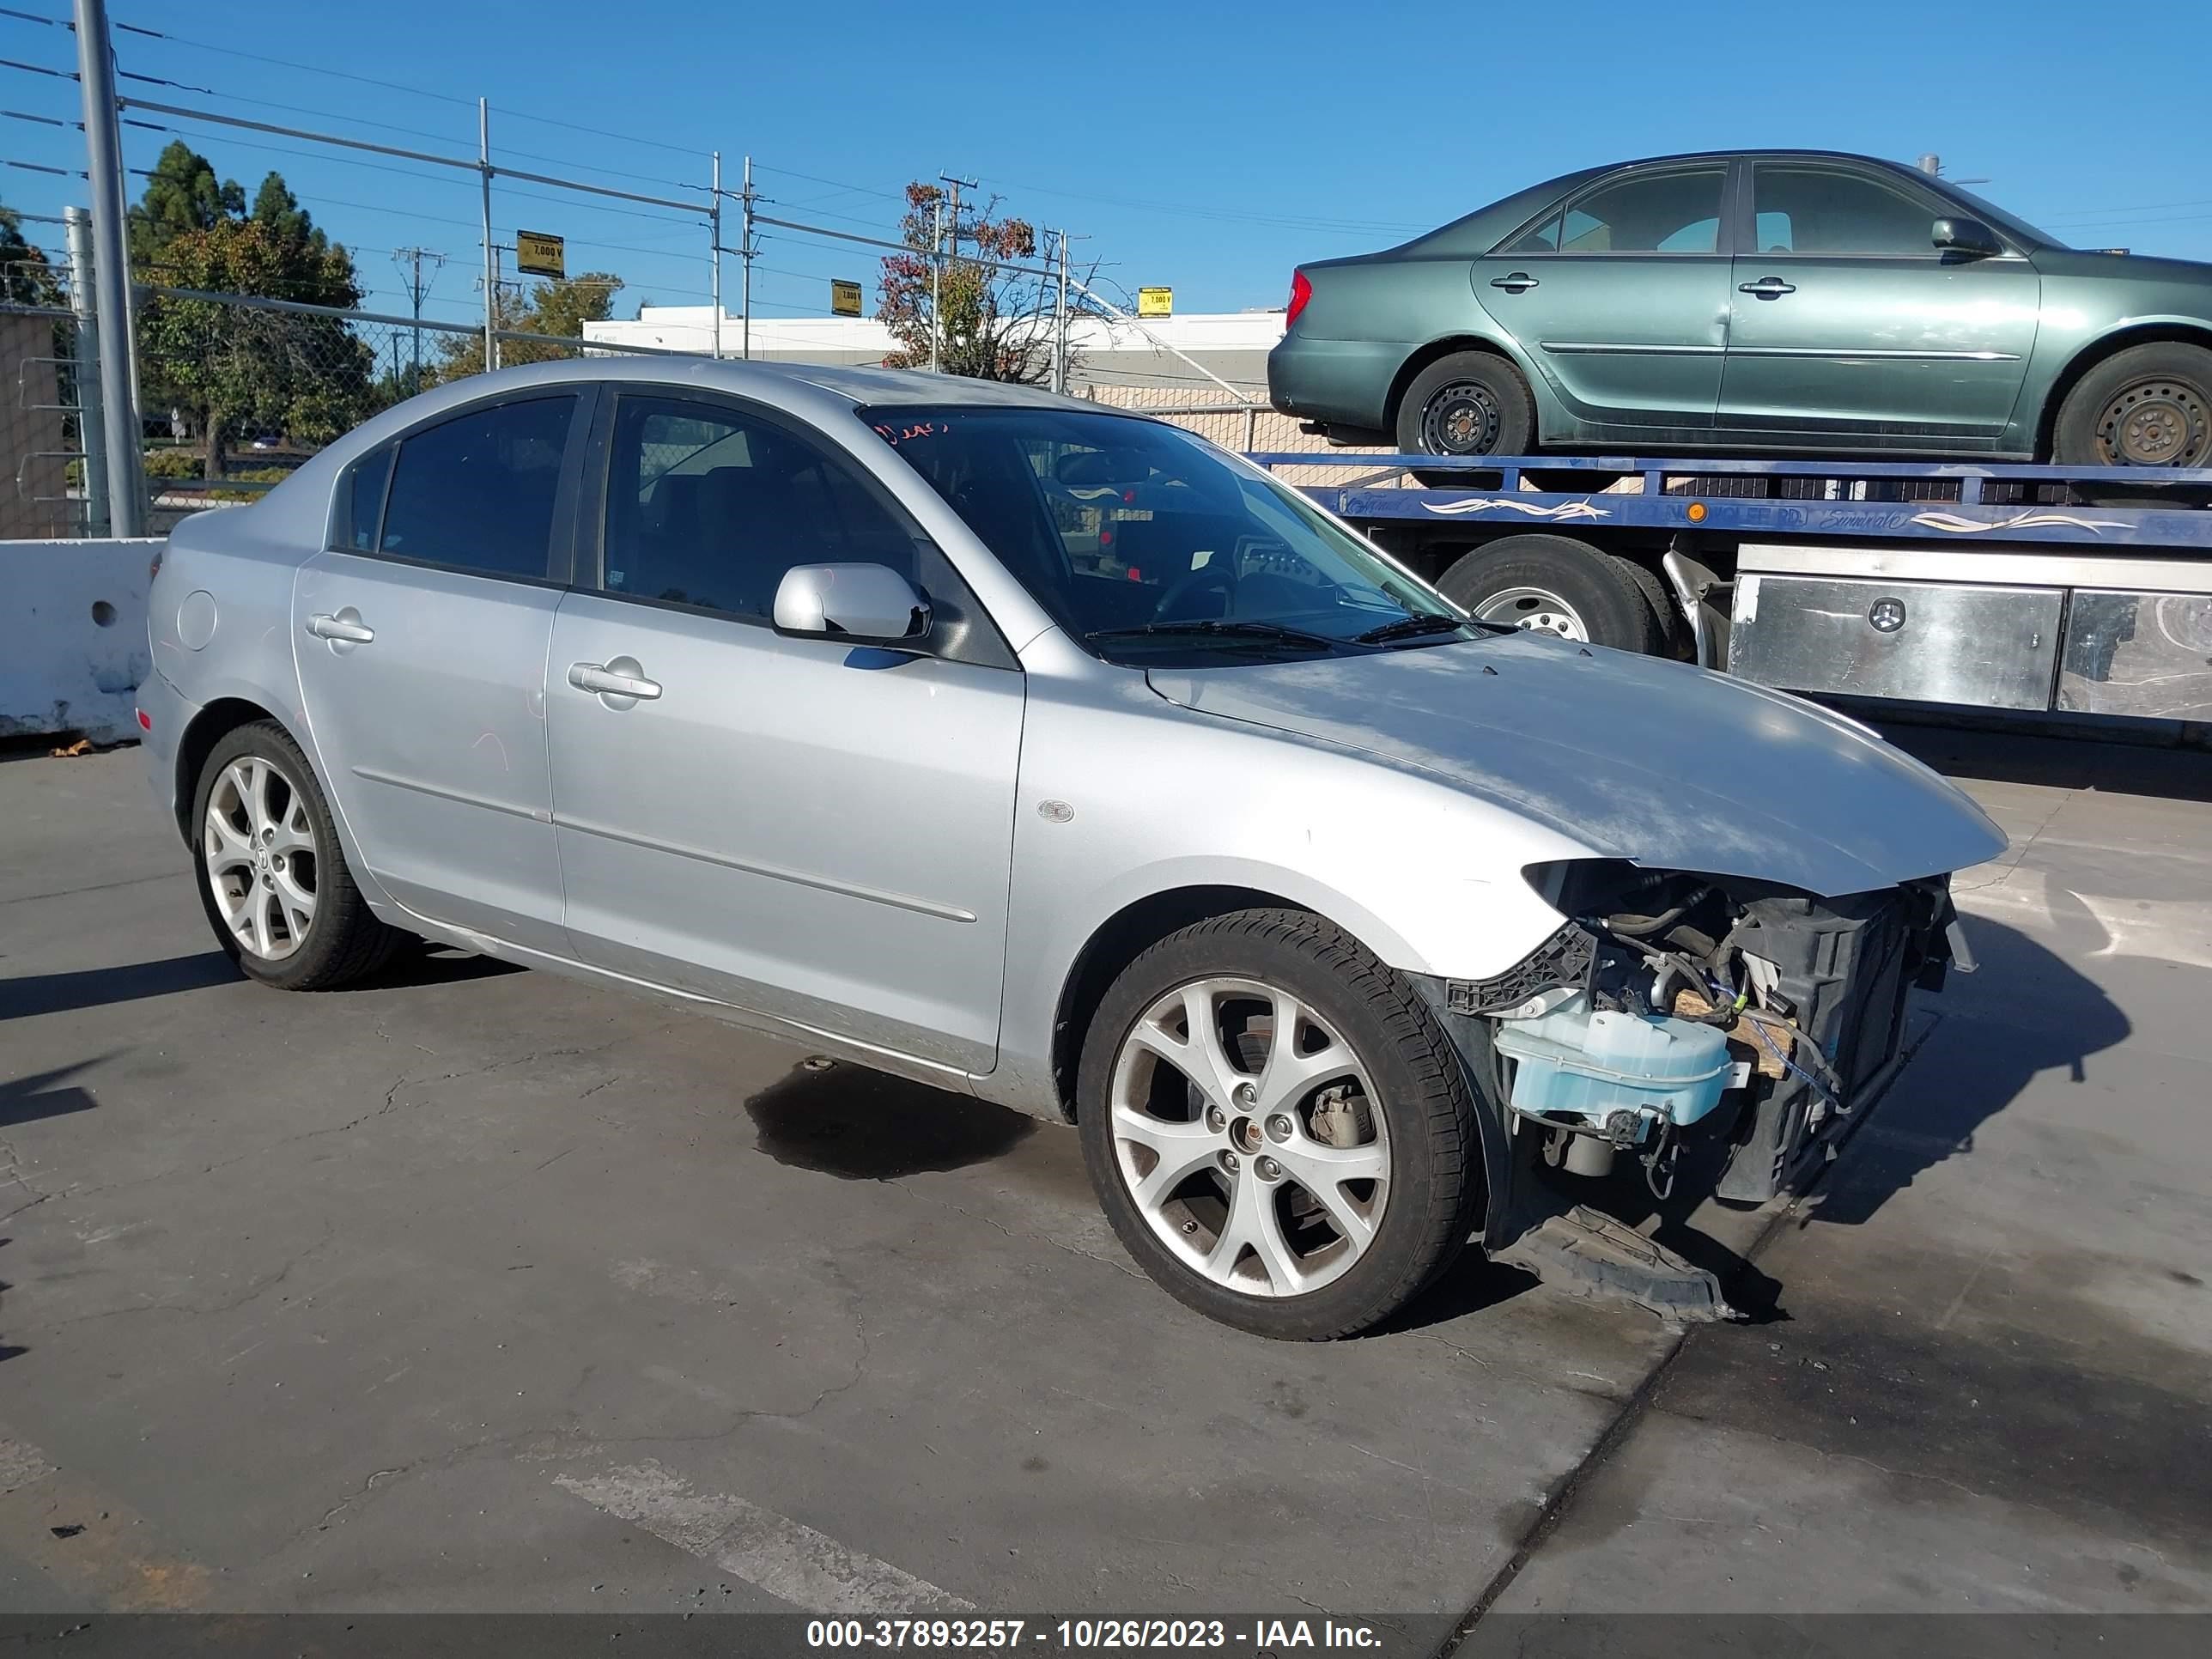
[(1767, 288), (1516, 282)]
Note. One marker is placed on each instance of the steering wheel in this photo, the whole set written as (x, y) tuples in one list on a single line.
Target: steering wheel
[(1214, 573)]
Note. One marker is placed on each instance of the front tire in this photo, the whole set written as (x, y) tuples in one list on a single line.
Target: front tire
[(1277, 1128), (2150, 405), (272, 877)]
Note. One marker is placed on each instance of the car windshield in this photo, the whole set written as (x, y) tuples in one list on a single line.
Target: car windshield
[(1146, 543)]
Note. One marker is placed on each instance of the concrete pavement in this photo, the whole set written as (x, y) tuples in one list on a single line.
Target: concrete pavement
[(475, 1289)]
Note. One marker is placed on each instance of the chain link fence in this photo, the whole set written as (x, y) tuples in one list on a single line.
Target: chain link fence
[(1246, 424), (42, 448), (237, 392)]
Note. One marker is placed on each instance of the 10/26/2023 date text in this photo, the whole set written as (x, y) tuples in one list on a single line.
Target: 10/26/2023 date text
[(1089, 1635)]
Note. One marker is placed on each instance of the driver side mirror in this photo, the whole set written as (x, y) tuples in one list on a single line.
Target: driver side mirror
[(865, 604), (1969, 236)]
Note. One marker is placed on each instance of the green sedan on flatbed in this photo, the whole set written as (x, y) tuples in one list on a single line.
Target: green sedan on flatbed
[(1764, 302)]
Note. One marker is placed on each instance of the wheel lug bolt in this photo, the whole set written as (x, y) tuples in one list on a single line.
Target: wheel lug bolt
[(1216, 1119), (1279, 1127), (1270, 1171), (1247, 1095), (1230, 1163)]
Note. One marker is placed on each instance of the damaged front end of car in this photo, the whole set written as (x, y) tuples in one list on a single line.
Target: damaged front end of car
[(1701, 1035)]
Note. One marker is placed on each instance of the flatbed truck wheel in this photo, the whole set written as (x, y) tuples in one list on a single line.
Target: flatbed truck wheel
[(1557, 584)]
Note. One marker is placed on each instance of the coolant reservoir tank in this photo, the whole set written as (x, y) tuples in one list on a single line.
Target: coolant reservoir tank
[(1576, 1062)]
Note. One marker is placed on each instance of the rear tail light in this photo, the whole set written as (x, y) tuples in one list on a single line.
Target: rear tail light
[(1300, 291), (145, 721), (154, 568)]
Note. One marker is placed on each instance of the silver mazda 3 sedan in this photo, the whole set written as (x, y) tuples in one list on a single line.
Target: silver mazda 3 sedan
[(1055, 755)]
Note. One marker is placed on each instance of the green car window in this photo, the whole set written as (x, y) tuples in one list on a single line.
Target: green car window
[(1673, 212), (1810, 209)]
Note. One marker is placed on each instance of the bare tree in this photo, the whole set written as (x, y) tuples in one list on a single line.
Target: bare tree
[(985, 321)]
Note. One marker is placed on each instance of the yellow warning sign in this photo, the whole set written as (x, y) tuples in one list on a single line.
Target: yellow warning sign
[(844, 298), (1156, 302), (537, 254)]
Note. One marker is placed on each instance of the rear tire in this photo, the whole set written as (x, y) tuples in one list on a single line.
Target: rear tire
[(1472, 402), (1367, 1102), (272, 877), (1556, 585)]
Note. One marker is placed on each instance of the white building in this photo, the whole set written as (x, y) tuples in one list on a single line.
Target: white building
[(1233, 345)]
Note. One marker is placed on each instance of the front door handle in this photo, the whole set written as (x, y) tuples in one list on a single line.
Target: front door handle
[(346, 626), (1514, 282), (608, 680), (1767, 288)]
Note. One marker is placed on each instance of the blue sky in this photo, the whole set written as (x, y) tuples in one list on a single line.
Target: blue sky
[(1206, 146)]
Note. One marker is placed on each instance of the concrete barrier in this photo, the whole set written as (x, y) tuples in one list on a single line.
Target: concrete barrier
[(73, 637)]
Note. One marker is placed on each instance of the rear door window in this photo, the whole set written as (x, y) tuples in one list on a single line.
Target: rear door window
[(1646, 213), (477, 492)]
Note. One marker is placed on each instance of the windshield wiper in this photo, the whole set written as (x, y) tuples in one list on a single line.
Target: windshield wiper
[(1407, 628), (1229, 627)]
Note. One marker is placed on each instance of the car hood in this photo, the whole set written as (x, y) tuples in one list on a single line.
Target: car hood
[(2131, 267), (1657, 762)]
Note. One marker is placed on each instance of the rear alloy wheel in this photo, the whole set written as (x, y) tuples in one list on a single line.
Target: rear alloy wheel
[(273, 879), (2150, 405), (1557, 584), (1276, 1127)]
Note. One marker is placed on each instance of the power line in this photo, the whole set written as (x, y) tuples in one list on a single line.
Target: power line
[(394, 86)]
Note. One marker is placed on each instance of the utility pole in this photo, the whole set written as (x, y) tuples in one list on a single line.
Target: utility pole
[(746, 279), (91, 424), (937, 276), (1059, 317), (118, 396), (491, 253), (714, 242), (409, 261)]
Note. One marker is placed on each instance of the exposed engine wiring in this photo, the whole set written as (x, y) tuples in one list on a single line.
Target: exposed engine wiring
[(1629, 926)]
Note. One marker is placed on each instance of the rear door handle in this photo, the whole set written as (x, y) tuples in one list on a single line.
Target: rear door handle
[(607, 679), (1767, 288), (1514, 282), (347, 626)]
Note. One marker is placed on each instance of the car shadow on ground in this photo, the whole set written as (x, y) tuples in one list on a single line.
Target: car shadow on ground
[(98, 987)]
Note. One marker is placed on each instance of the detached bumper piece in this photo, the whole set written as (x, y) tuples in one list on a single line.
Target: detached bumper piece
[(1588, 1255)]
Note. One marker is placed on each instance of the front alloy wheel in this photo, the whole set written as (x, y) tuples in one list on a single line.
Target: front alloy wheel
[(1277, 1126), (1245, 1133)]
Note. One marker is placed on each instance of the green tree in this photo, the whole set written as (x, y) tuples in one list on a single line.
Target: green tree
[(560, 308), (985, 321), (235, 369), (26, 278), (182, 194)]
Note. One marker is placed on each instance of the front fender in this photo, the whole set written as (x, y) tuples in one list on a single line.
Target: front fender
[(1424, 876)]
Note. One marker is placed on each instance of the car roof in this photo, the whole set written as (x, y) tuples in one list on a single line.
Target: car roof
[(1753, 155), (774, 382)]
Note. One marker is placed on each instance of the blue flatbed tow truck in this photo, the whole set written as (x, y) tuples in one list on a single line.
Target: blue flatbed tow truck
[(2076, 592)]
